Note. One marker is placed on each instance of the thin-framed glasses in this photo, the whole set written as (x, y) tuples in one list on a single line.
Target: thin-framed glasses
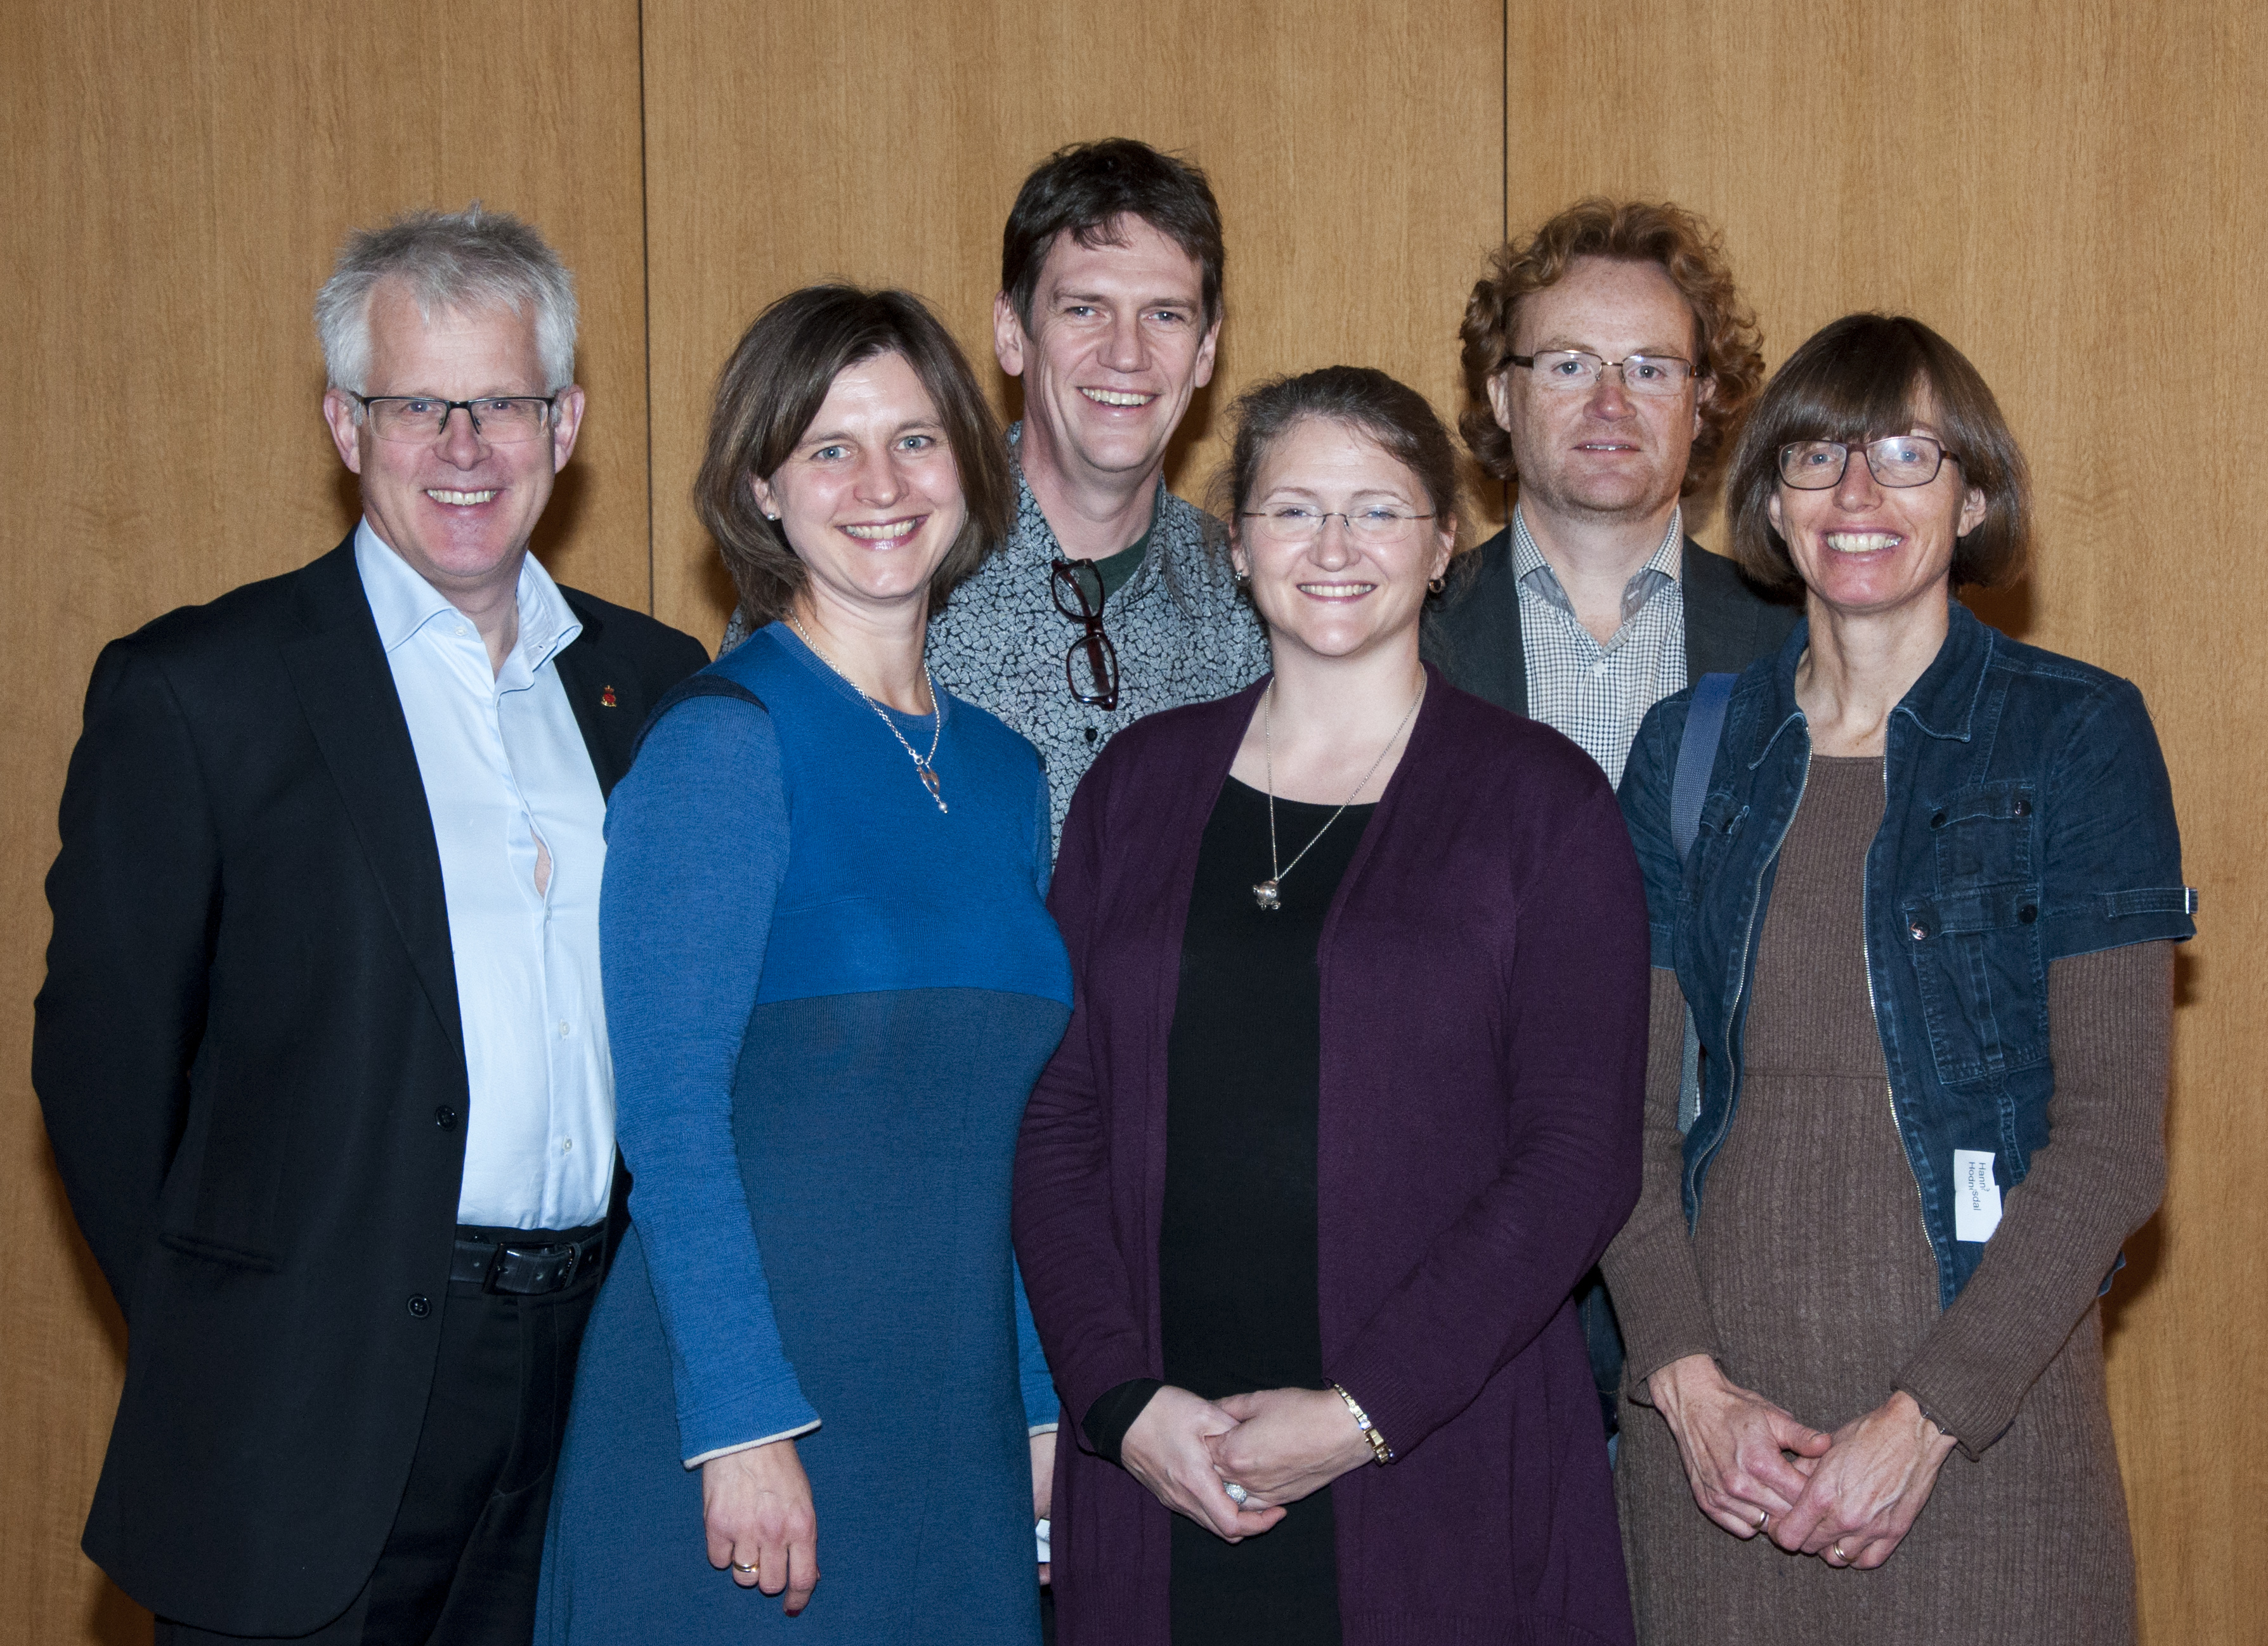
[(1091, 663), (1900, 459), (499, 419), (1656, 375), (1295, 525)]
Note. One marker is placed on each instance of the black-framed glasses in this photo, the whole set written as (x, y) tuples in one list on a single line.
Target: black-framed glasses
[(499, 419), (1900, 459), (1295, 525), (1091, 664), (1655, 376)]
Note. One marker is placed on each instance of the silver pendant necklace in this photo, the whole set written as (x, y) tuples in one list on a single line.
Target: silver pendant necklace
[(924, 765), (1268, 893)]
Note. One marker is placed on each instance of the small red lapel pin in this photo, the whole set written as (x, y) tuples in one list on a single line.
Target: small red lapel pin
[(607, 696)]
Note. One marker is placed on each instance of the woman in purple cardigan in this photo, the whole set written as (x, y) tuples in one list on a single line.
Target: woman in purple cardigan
[(1348, 1104)]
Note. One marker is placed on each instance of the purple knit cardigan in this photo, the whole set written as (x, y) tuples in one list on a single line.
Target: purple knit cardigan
[(1483, 975)]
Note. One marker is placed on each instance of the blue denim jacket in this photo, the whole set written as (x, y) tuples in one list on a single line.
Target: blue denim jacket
[(2029, 818)]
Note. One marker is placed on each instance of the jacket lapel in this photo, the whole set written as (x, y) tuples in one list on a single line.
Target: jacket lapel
[(1705, 613), (1494, 662), (608, 696), (1514, 654), (345, 688), (1727, 625)]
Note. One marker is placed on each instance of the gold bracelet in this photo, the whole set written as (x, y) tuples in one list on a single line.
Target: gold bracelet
[(1379, 1449)]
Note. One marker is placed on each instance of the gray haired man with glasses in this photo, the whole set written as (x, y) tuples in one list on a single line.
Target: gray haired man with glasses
[(321, 1047), (1608, 360)]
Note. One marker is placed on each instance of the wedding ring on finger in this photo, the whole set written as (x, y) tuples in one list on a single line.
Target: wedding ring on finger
[(738, 1568), (1237, 1494), (1763, 1518), (1837, 1551)]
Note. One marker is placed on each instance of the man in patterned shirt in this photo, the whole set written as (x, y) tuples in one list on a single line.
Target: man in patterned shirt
[(1109, 309), (1112, 598), (1608, 364)]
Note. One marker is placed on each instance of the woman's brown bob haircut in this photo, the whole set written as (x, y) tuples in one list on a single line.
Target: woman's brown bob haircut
[(1863, 378), (1726, 344), (773, 385), (1388, 412)]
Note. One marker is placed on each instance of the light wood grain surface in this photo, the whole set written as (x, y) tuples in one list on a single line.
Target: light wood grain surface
[(1354, 146), (181, 173), (2075, 194)]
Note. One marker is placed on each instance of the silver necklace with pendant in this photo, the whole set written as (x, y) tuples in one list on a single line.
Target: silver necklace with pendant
[(924, 765), (1268, 893)]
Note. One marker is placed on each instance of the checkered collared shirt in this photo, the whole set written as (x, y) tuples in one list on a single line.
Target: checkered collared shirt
[(1594, 693)]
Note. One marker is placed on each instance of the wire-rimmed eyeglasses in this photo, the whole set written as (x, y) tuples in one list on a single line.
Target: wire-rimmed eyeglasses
[(1896, 460), (1295, 524), (499, 419), (1656, 375), (1091, 663)]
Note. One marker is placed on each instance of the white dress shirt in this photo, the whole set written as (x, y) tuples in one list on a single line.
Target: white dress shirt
[(504, 765), (1594, 693)]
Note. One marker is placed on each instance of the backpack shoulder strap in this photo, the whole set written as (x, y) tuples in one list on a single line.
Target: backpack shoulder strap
[(702, 685), (1697, 756)]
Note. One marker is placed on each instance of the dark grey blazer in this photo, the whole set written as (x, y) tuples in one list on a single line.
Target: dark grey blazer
[(1475, 634), (249, 1053)]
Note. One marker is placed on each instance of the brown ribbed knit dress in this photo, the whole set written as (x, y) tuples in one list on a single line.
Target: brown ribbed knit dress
[(1810, 1278)]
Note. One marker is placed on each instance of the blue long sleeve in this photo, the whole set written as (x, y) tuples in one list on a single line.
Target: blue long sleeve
[(1042, 1406), (697, 849)]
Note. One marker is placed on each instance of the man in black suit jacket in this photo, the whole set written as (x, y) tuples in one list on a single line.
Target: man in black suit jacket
[(318, 837), (1609, 361), (1728, 624)]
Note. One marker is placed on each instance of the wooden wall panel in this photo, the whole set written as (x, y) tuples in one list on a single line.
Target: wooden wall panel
[(180, 174), (2073, 194), (1354, 144)]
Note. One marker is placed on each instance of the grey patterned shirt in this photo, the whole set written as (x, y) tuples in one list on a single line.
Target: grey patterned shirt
[(1594, 693), (1182, 633)]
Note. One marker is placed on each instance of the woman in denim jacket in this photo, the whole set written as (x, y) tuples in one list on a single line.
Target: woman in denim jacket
[(1924, 934)]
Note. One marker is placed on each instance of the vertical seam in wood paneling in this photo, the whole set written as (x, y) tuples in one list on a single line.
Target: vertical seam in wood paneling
[(1503, 183), (646, 301)]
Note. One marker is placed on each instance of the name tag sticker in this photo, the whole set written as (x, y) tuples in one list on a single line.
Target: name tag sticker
[(1976, 1195)]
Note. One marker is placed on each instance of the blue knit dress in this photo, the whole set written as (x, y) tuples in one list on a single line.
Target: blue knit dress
[(828, 1001)]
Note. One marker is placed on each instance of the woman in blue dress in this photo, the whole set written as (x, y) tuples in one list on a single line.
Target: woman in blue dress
[(830, 982)]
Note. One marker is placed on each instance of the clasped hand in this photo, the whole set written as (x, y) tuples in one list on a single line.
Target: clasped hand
[(1279, 1444), (1849, 1497)]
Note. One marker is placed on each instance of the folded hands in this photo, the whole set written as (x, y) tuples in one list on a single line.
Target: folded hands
[(1848, 1497), (1278, 1444)]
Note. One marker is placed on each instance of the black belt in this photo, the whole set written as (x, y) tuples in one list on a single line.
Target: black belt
[(525, 1269)]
